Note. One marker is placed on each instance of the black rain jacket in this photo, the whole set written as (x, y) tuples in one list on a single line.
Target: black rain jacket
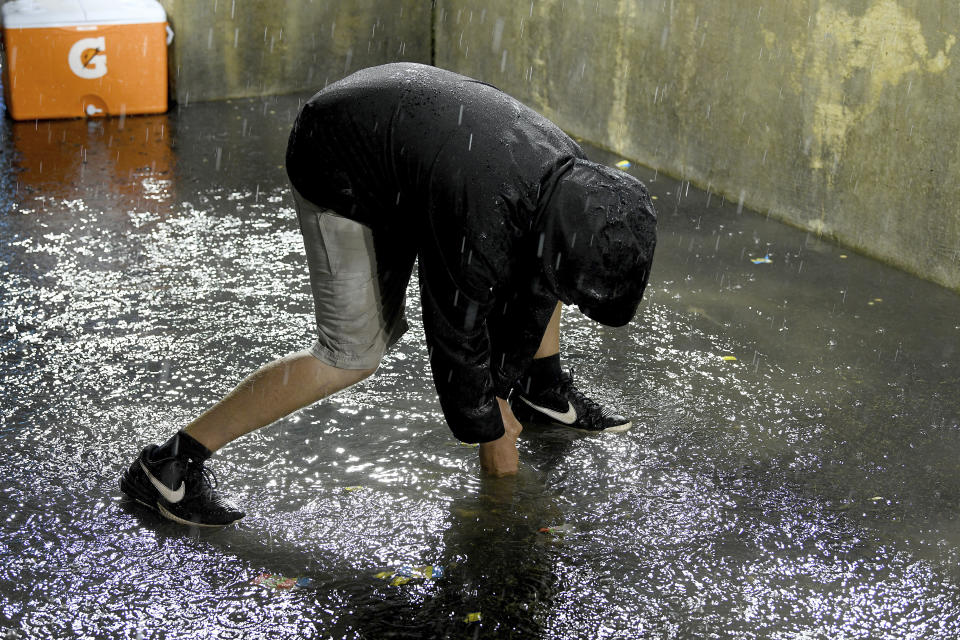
[(505, 213)]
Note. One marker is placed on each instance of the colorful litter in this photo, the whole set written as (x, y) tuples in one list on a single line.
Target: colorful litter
[(472, 617), (730, 358), (624, 164), (558, 530), (276, 581), (764, 260), (406, 573), (352, 489)]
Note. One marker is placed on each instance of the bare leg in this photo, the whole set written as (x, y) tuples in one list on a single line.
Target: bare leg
[(550, 343), (273, 391)]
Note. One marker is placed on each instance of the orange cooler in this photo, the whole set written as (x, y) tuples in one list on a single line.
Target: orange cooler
[(75, 58)]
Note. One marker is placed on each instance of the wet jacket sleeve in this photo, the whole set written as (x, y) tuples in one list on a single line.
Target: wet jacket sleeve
[(459, 347)]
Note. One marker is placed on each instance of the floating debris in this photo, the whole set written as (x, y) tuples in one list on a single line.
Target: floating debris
[(624, 164), (764, 260), (730, 358), (353, 488), (406, 573), (276, 581), (843, 256), (472, 617), (559, 530)]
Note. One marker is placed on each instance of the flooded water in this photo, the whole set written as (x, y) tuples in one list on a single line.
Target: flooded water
[(792, 473)]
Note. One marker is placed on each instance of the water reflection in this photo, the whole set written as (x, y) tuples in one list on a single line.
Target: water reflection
[(118, 161)]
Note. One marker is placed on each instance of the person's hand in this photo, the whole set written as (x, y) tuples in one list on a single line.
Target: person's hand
[(500, 457)]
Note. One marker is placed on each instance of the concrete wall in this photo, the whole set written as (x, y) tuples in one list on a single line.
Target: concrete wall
[(235, 48), (837, 116)]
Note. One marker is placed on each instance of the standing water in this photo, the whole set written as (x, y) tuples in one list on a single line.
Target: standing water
[(792, 471)]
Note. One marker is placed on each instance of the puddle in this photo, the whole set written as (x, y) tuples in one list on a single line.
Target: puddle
[(791, 472)]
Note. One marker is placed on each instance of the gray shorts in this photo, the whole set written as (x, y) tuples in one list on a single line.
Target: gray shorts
[(359, 285)]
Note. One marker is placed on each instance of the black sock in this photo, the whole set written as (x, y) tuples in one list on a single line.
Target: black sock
[(181, 444), (543, 373)]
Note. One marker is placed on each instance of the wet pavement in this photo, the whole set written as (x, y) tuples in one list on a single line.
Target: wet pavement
[(792, 473)]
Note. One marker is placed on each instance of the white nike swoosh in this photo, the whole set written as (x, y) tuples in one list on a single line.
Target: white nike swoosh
[(168, 494), (567, 417)]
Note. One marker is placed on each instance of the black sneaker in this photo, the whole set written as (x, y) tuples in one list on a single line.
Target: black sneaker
[(180, 489), (565, 405)]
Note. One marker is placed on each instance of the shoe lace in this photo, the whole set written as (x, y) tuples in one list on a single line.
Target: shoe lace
[(202, 478), (593, 411)]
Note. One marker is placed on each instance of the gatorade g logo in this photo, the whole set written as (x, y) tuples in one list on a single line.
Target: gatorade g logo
[(88, 58)]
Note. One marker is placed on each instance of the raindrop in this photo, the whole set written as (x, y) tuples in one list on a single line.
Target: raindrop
[(540, 246), (471, 316), (497, 34)]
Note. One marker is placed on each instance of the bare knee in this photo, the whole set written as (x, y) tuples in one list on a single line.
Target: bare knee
[(337, 377), (363, 374)]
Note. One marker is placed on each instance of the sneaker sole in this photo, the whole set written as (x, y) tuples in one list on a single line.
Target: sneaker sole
[(620, 428), (170, 516), (129, 488)]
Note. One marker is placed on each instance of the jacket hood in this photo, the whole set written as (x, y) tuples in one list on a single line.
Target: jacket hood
[(599, 234)]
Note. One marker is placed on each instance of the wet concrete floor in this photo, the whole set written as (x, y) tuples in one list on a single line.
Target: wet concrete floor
[(793, 471)]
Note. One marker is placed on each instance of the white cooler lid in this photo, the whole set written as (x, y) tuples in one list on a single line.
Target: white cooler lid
[(28, 14), (24, 14), (123, 11)]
